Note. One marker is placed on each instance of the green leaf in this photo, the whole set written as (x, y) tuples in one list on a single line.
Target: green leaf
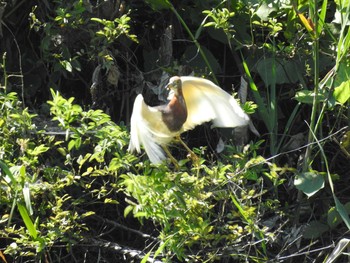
[(307, 96), (145, 258), (27, 200), (87, 214), (95, 19), (342, 84), (309, 183), (342, 92), (7, 171), (77, 143), (71, 144), (39, 149), (209, 24), (110, 201), (258, 98), (159, 250), (264, 11), (333, 218), (140, 214), (288, 71), (158, 5), (115, 164), (127, 210), (62, 151), (314, 230), (342, 3), (27, 221), (342, 211), (66, 65), (322, 16)]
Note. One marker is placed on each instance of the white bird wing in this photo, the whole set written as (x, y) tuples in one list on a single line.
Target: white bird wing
[(147, 129), (207, 102)]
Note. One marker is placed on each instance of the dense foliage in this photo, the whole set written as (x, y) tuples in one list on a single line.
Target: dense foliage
[(70, 191)]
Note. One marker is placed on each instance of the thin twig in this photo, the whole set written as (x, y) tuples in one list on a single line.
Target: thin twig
[(124, 250), (304, 253), (19, 61), (120, 226), (294, 150)]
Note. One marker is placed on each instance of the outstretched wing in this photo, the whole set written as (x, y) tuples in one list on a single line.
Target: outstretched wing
[(148, 130), (207, 102)]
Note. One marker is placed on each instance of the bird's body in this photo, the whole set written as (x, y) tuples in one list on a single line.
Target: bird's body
[(193, 102), (174, 114)]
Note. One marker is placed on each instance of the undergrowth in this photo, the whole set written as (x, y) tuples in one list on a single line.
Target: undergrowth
[(71, 192)]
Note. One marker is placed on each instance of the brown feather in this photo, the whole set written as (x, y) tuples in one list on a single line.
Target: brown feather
[(174, 114)]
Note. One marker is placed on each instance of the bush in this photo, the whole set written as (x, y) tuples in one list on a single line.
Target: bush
[(69, 190)]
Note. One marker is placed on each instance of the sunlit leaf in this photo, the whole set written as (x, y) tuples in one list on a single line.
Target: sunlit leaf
[(342, 83), (322, 16), (7, 171), (71, 144), (39, 150), (110, 201), (140, 214), (127, 210), (342, 92), (264, 11), (333, 218), (307, 96), (309, 183), (87, 214), (27, 221), (27, 199), (66, 65)]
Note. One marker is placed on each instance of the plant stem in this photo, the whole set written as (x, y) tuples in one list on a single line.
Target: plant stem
[(315, 106), (5, 73), (194, 41), (273, 104)]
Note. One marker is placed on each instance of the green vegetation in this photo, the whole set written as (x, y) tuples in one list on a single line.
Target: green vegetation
[(69, 190)]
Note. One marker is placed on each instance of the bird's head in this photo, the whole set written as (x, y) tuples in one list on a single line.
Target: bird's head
[(174, 84)]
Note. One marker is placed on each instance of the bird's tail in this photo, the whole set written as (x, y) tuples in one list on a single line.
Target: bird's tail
[(140, 134)]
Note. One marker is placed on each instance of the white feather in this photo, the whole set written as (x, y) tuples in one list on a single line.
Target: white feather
[(148, 129), (207, 102)]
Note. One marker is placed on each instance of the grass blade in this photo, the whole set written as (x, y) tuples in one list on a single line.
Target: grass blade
[(261, 105), (7, 171), (322, 17), (27, 221)]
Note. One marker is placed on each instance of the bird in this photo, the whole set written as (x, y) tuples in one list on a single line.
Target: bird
[(192, 101)]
